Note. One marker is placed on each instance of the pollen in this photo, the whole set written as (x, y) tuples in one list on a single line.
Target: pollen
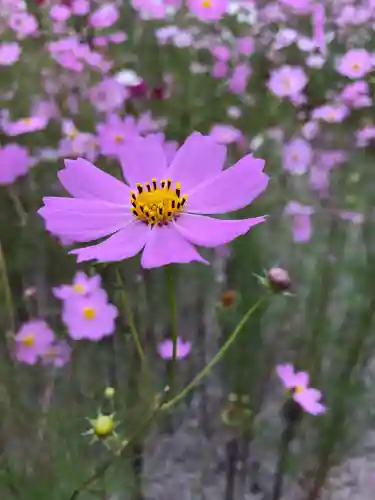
[(28, 340), (155, 203), (79, 288), (27, 121), (299, 389), (356, 67), (89, 312), (119, 139), (206, 3)]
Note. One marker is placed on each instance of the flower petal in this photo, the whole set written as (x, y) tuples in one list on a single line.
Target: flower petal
[(166, 246), (197, 160), (142, 159), (83, 180), (83, 220), (232, 189), (308, 402), (124, 244), (302, 379), (209, 232), (286, 375)]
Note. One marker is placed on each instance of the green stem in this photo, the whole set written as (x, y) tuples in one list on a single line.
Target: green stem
[(173, 308), (216, 358), (129, 315)]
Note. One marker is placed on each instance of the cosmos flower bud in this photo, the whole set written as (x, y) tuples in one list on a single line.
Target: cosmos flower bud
[(109, 392), (279, 280), (103, 426)]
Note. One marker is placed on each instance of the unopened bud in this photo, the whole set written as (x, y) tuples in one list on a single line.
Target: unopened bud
[(103, 425), (109, 392), (228, 298), (279, 279)]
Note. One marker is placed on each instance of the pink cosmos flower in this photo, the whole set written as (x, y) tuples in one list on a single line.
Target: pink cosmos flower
[(113, 133), (287, 81), (80, 7), (104, 17), (330, 113), (108, 95), (225, 134), (32, 341), (160, 208), (208, 10), (89, 317), (356, 63), (57, 355), (60, 13), (82, 285), (365, 135), (245, 45), (9, 53), (219, 69), (307, 397), (297, 156), (149, 9), (23, 23), (183, 348), (356, 95), (238, 81), (301, 221), (25, 125), (15, 162)]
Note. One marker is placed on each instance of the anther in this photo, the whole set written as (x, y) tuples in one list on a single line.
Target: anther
[(154, 183), (162, 183), (133, 195), (178, 189), (173, 204), (134, 204), (169, 183), (148, 187), (140, 188), (183, 201), (169, 214), (135, 212), (178, 205), (160, 210)]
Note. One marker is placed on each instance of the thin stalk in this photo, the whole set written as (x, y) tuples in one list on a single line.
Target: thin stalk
[(216, 358), (173, 309), (130, 316)]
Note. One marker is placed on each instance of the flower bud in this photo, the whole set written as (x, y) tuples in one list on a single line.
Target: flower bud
[(103, 425), (109, 392), (279, 280)]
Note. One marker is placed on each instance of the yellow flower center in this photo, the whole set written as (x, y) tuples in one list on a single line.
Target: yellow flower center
[(28, 340), (119, 139), (27, 121), (206, 3), (89, 312), (79, 288), (157, 205), (299, 388), (356, 67), (332, 116), (103, 425), (72, 134)]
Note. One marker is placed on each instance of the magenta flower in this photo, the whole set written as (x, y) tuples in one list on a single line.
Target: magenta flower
[(58, 354), (330, 113), (208, 10), (160, 210), (33, 340), (82, 285), (25, 125), (183, 348), (104, 17), (301, 221), (287, 81), (356, 63), (15, 162), (23, 23), (297, 156), (9, 53), (89, 317), (237, 83), (108, 95), (60, 13), (225, 134), (298, 382), (113, 133)]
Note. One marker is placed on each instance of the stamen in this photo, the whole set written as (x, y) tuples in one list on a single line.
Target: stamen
[(157, 202)]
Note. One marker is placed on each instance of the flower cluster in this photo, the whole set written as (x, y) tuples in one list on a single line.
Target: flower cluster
[(86, 312)]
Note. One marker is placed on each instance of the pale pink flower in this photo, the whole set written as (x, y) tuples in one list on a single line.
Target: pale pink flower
[(208, 10), (9, 53), (105, 16), (183, 349), (82, 285), (287, 81), (33, 340), (356, 63)]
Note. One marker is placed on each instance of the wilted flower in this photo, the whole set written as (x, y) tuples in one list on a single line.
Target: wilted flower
[(279, 279), (307, 397), (183, 348), (162, 214), (58, 354), (33, 340)]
